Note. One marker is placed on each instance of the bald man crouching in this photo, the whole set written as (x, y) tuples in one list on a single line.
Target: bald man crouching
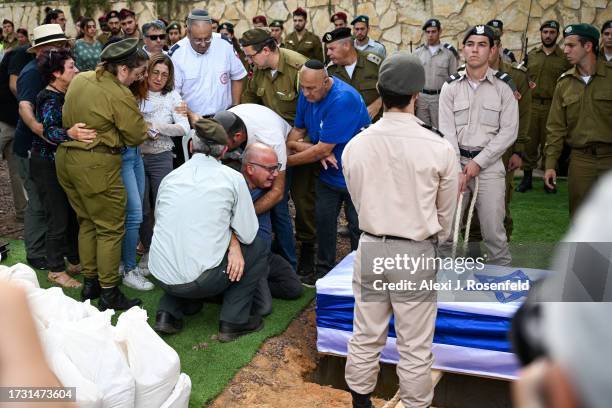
[(260, 167)]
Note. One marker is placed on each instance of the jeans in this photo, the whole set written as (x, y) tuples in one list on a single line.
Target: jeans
[(156, 166), (62, 227), (283, 230), (133, 175), (329, 201), (35, 222)]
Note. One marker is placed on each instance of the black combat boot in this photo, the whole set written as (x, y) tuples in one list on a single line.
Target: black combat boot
[(306, 264), (526, 182), (361, 400), (91, 289), (112, 298)]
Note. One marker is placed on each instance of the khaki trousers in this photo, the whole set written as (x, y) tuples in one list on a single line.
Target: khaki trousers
[(427, 109), (414, 327), (20, 201), (534, 148), (584, 171)]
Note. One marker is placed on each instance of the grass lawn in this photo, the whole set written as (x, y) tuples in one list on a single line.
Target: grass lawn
[(540, 220)]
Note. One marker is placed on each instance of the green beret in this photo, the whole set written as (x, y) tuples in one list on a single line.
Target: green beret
[(173, 26), (583, 30), (402, 73), (276, 23), (337, 34), (550, 24), (211, 131), (361, 19), (120, 50), (254, 36)]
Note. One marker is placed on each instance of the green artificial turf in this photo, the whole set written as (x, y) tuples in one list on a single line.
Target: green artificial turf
[(540, 220)]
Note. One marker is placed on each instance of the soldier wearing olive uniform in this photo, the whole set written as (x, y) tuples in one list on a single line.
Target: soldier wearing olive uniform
[(279, 92), (546, 64), (356, 68), (581, 115), (91, 173), (505, 54), (303, 41)]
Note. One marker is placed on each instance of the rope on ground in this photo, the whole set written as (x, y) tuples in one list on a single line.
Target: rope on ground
[(393, 401)]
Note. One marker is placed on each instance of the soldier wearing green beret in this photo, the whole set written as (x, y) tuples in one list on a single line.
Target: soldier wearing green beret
[(581, 115), (91, 173), (357, 68), (274, 84), (174, 33), (301, 40), (546, 64), (276, 31), (361, 29)]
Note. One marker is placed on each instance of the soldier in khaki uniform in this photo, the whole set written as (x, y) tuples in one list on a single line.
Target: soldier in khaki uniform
[(546, 64), (91, 173), (356, 68), (440, 61), (276, 31), (479, 116), (279, 92), (114, 27), (301, 40), (581, 115), (605, 53)]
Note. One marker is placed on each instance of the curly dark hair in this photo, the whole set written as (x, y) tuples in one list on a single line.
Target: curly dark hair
[(52, 60)]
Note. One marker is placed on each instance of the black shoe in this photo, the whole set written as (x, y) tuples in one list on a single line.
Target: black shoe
[(526, 182), (306, 263), (309, 280), (38, 263), (91, 289), (361, 400), (113, 298), (231, 331), (165, 323)]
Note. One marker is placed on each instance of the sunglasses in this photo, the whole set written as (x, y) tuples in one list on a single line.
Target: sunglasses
[(155, 37)]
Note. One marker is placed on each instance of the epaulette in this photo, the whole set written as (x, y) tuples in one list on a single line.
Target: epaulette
[(453, 77), (374, 58), (433, 129), (507, 79), (173, 49), (509, 54), (520, 67), (566, 74), (461, 69), (451, 49)]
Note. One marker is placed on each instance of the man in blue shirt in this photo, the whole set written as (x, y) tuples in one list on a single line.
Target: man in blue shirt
[(331, 112)]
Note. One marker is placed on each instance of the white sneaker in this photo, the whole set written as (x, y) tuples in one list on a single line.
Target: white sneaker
[(134, 279), (144, 265)]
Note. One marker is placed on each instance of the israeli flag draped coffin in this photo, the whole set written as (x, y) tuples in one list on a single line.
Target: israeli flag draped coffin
[(470, 337)]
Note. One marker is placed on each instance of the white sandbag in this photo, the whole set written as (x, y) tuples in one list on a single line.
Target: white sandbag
[(52, 305), (87, 394), (181, 393), (154, 364), (21, 275), (90, 345)]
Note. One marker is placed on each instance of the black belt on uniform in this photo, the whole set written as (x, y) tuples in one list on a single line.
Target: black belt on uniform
[(388, 237), (595, 149), (431, 91), (106, 149), (470, 154)]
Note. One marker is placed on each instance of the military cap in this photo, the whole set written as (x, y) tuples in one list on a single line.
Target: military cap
[(125, 13), (606, 25), (276, 23), (496, 23), (211, 131), (339, 16), (173, 26), (199, 15), (112, 14), (432, 22), (361, 19), (402, 73), (337, 34), (260, 20), (485, 30), (583, 30), (254, 36), (227, 26), (119, 50), (300, 12), (550, 24)]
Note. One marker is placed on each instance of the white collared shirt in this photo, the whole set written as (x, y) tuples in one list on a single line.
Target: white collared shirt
[(205, 80), (197, 207)]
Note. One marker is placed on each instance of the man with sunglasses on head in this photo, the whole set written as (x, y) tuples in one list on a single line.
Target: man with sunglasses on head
[(154, 37), (207, 72)]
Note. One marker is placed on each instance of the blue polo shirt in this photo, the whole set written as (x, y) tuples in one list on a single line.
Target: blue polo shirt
[(335, 120)]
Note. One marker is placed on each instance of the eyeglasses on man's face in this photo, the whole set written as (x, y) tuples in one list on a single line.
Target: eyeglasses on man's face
[(269, 169)]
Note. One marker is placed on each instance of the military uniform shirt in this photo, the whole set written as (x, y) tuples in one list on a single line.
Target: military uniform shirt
[(372, 46), (485, 118), (580, 114), (279, 92), (205, 80), (545, 70), (438, 67), (519, 76), (309, 46), (365, 75)]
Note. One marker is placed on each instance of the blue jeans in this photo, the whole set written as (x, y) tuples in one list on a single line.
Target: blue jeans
[(132, 172), (283, 230)]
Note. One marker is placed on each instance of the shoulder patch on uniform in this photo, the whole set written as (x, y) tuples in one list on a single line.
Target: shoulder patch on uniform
[(507, 79), (173, 49), (453, 77), (433, 129), (451, 49), (374, 58)]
